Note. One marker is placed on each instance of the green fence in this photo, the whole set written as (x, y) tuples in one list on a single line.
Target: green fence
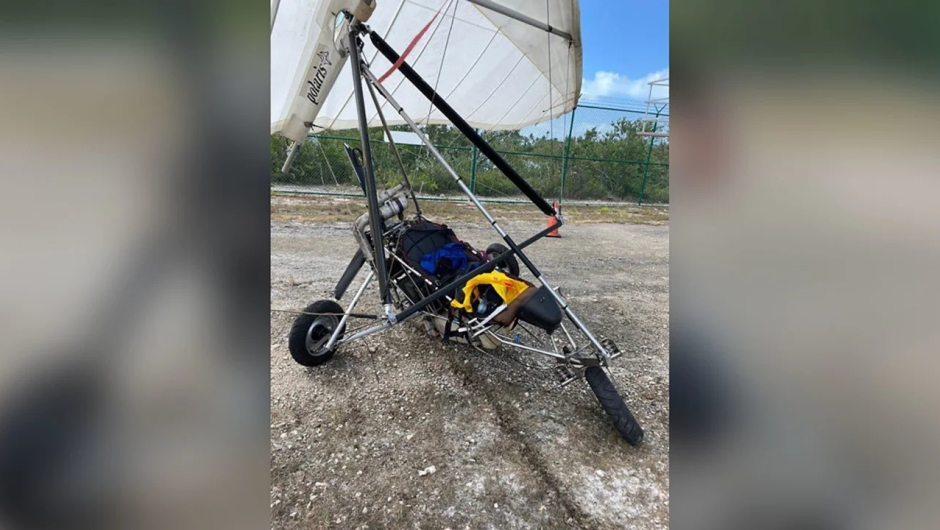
[(591, 153)]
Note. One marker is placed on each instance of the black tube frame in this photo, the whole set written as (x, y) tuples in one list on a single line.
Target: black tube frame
[(461, 125), (358, 260), (369, 171)]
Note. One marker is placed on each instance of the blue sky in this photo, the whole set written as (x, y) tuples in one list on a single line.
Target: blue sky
[(625, 44)]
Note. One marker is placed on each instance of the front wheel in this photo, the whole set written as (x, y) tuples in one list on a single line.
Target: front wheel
[(613, 405), (312, 330)]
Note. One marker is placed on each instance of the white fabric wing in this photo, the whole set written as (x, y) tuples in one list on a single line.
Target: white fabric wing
[(497, 72)]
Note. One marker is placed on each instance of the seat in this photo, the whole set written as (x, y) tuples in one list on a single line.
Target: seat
[(541, 310), (422, 238)]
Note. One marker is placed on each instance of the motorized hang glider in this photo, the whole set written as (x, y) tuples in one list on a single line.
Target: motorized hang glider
[(474, 64)]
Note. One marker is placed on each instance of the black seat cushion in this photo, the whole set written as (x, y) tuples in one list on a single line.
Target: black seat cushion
[(541, 310)]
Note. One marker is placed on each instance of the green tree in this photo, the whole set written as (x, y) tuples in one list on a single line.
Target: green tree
[(606, 162)]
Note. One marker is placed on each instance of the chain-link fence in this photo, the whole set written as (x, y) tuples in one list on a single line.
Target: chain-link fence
[(590, 154)]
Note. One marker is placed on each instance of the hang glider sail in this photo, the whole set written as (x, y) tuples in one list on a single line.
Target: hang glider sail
[(499, 71)]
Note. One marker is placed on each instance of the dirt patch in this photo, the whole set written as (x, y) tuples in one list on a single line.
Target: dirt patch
[(353, 441)]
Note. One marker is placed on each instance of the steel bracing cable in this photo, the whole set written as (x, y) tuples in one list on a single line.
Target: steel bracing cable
[(391, 143)]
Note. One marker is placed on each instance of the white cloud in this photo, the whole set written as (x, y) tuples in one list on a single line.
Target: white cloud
[(610, 84)]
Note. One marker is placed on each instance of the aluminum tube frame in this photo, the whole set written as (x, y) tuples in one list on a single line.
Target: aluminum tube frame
[(512, 245), (365, 333), (371, 192), (574, 346), (349, 310), (291, 155), (523, 347), (525, 19)]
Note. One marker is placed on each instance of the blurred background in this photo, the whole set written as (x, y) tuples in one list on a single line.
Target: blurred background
[(135, 155), (134, 270), (804, 239)]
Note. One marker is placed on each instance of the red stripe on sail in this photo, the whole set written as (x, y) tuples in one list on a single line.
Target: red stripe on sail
[(410, 47)]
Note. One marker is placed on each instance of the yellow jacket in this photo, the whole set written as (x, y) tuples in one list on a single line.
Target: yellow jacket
[(506, 287)]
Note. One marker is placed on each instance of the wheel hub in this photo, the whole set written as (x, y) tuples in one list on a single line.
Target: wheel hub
[(321, 329)]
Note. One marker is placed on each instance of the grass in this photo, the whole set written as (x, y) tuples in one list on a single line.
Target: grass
[(314, 209)]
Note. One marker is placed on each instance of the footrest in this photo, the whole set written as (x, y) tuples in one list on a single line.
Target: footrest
[(563, 373), (611, 346)]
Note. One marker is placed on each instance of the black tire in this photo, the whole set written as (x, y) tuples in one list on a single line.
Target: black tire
[(510, 264), (310, 333), (613, 405)]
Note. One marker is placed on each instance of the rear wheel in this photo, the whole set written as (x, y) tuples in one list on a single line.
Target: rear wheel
[(312, 330), (510, 265), (613, 405)]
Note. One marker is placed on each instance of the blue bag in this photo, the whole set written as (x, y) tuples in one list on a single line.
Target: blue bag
[(453, 253)]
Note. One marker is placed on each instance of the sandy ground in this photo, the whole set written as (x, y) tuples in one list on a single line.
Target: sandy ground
[(510, 448)]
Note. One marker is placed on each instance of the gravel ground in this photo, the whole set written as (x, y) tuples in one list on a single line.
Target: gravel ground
[(402, 431)]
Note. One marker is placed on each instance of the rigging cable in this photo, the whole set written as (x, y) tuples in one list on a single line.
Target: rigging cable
[(440, 68), (391, 143)]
